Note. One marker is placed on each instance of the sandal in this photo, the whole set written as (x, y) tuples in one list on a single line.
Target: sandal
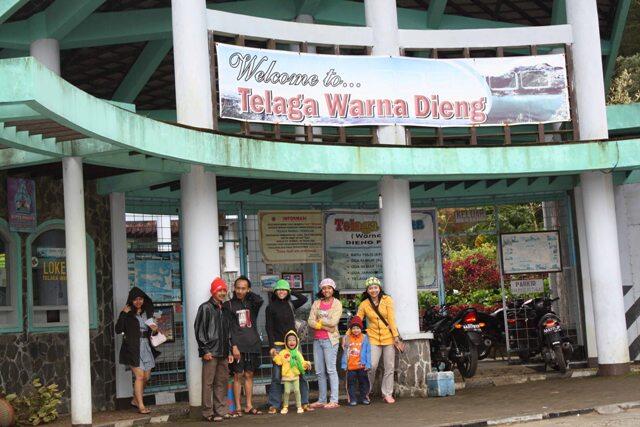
[(144, 411), (235, 414), (272, 410), (389, 399), (315, 405), (252, 411), (230, 415), (217, 419), (331, 405)]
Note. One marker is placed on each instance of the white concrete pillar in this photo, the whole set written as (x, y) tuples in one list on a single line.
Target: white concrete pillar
[(382, 17), (589, 321), (199, 203), (605, 274), (200, 260), (582, 15), (120, 283), (306, 19), (77, 291), (47, 51), (398, 260), (597, 194), (191, 63)]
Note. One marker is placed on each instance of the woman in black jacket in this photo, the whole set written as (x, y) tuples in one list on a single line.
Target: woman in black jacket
[(280, 318), (137, 351)]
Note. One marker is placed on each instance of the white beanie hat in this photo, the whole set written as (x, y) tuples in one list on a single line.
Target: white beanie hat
[(328, 282)]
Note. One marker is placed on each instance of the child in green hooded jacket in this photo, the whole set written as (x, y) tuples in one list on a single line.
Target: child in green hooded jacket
[(293, 365)]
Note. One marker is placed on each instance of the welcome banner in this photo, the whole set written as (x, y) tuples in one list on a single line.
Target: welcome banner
[(271, 86)]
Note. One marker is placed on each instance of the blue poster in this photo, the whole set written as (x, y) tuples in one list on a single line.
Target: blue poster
[(157, 274)]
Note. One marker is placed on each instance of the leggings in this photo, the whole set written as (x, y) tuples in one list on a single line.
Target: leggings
[(291, 386)]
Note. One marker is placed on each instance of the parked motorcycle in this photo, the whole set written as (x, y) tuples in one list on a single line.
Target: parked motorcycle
[(455, 340), (536, 329), (492, 332)]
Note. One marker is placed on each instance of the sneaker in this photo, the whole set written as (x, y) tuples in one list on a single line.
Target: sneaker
[(300, 410), (366, 402), (353, 403), (284, 410)]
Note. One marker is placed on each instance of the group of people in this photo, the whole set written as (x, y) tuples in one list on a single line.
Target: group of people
[(229, 342)]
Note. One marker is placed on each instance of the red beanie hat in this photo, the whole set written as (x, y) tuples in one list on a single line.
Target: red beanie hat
[(356, 321), (218, 285)]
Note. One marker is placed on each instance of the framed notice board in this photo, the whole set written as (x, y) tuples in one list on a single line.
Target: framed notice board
[(534, 252)]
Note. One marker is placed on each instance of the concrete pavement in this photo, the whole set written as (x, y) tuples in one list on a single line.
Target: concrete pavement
[(473, 406)]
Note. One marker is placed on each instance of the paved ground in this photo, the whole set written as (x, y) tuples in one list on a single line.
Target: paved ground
[(469, 404), (473, 404), (630, 418)]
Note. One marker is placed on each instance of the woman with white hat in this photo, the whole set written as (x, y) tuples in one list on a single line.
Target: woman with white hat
[(323, 319)]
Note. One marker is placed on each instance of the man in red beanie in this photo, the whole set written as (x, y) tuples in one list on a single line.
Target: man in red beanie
[(214, 347)]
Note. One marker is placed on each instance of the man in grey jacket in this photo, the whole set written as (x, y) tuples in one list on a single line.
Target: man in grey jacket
[(214, 347)]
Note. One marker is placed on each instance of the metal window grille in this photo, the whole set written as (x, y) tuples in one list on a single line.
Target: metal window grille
[(156, 237)]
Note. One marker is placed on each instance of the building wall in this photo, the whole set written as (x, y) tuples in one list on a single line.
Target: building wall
[(26, 355), (627, 199)]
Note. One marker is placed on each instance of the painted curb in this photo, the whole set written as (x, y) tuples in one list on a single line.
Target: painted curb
[(613, 408), (156, 419)]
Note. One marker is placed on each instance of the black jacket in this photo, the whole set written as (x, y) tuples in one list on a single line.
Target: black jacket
[(246, 338), (279, 317), (128, 325), (212, 330)]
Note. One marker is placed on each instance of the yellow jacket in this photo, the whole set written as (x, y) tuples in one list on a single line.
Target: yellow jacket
[(378, 332), (288, 372)]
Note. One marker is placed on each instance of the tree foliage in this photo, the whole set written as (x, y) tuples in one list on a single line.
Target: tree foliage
[(625, 86)]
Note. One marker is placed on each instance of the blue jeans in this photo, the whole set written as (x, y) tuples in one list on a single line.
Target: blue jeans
[(276, 389), (358, 383), (324, 357)]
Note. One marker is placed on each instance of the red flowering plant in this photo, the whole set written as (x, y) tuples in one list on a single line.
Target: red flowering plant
[(472, 279), (471, 269)]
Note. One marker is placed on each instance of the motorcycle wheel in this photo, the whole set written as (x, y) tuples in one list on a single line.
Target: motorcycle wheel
[(561, 364), (469, 364)]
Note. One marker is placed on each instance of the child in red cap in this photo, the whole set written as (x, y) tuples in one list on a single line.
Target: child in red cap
[(212, 330), (356, 360)]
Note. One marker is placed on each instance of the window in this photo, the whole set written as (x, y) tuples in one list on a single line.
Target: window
[(47, 279), (10, 280)]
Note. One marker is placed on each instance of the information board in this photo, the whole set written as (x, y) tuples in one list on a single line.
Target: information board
[(535, 252)]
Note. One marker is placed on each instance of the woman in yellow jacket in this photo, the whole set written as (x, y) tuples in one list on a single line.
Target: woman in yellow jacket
[(382, 333)]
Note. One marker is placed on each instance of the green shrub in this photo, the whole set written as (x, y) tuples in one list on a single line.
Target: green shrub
[(427, 299), (38, 404)]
